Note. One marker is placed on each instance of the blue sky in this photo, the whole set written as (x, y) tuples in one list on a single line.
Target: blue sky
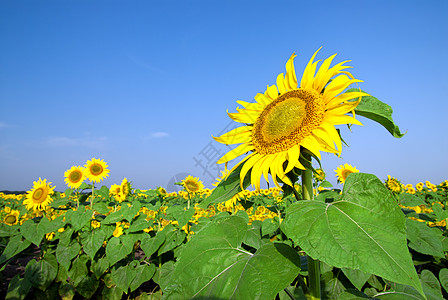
[(144, 85)]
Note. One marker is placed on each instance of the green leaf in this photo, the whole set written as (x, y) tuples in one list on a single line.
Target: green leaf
[(443, 277), (140, 224), (65, 254), (253, 235), (406, 199), (364, 230), (357, 277), (66, 291), (40, 274), (116, 250), (375, 110), (14, 247), (79, 270), (102, 208), (399, 292), (35, 231), (173, 238), (87, 287), (78, 218), (92, 242), (353, 295), (142, 273), (214, 265), (99, 266), (424, 239), (130, 212), (431, 285), (181, 215), (123, 277), (268, 226), (18, 288), (227, 188), (7, 230), (150, 244)]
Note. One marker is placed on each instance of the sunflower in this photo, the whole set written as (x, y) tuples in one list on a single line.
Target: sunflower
[(125, 188), (12, 218), (393, 184), (319, 175), (343, 171), (96, 170), (39, 196), (192, 184), (74, 177), (287, 119)]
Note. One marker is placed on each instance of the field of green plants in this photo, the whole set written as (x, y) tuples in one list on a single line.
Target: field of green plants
[(149, 244)]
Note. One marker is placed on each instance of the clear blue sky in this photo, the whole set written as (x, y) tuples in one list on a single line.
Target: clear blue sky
[(145, 84)]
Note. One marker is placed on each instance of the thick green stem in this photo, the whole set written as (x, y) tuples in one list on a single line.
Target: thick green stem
[(313, 265)]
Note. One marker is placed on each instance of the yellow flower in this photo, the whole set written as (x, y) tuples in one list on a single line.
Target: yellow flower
[(95, 224), (419, 186), (39, 196), (319, 175), (192, 184), (410, 190), (118, 230), (288, 118), (12, 218), (96, 170), (61, 229), (125, 188), (74, 177), (393, 184), (49, 236), (343, 171)]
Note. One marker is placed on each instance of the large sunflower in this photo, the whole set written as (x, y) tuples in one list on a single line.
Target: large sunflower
[(39, 196), (288, 117), (74, 177), (96, 170)]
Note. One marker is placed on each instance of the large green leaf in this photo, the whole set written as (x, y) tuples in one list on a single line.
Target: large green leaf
[(117, 250), (214, 265), (92, 242), (14, 247), (375, 110), (43, 272), (364, 230), (35, 231), (424, 239), (227, 188)]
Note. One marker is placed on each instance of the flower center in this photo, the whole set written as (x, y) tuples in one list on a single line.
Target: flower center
[(39, 195), (345, 174), (96, 169), (287, 120), (192, 186), (10, 219), (75, 176)]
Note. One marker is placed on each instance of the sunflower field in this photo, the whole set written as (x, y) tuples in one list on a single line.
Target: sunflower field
[(301, 238)]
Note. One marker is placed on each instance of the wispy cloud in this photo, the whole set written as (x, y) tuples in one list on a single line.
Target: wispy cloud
[(156, 135), (88, 142)]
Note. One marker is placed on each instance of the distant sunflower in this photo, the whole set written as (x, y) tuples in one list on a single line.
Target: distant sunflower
[(12, 218), (393, 184), (343, 171), (319, 175), (39, 196), (74, 177), (192, 184), (288, 117), (125, 188), (96, 170)]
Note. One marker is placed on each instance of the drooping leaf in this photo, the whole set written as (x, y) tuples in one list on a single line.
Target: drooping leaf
[(65, 254), (375, 110), (142, 273), (431, 285), (150, 244), (18, 288), (364, 230), (43, 272), (357, 277), (227, 188), (443, 278), (424, 239), (92, 242), (214, 265), (14, 247), (116, 250)]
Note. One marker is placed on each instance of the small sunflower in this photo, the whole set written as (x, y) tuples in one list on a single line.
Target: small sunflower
[(74, 177), (419, 186), (96, 170), (223, 176), (39, 196), (291, 116), (12, 218), (319, 175), (343, 171), (125, 188), (393, 184), (192, 184)]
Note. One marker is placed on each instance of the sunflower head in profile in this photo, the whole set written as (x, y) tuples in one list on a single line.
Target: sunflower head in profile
[(393, 184), (343, 171), (39, 196), (125, 188), (319, 175), (290, 117), (96, 170), (192, 184), (74, 177), (12, 218)]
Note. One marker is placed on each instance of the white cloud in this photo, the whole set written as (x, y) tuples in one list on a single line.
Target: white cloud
[(159, 134), (87, 142)]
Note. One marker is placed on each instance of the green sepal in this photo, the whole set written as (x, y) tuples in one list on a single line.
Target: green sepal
[(375, 110)]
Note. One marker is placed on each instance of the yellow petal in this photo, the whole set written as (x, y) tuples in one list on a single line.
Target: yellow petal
[(262, 99), (293, 157), (342, 109), (250, 105), (271, 92), (241, 149), (309, 69), (290, 78), (325, 138), (345, 97), (244, 116), (266, 165), (247, 166), (235, 136), (333, 133), (310, 143), (344, 119), (308, 79), (321, 77), (281, 84)]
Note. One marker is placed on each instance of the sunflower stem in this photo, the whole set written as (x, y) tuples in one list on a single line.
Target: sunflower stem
[(313, 265), (91, 202)]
